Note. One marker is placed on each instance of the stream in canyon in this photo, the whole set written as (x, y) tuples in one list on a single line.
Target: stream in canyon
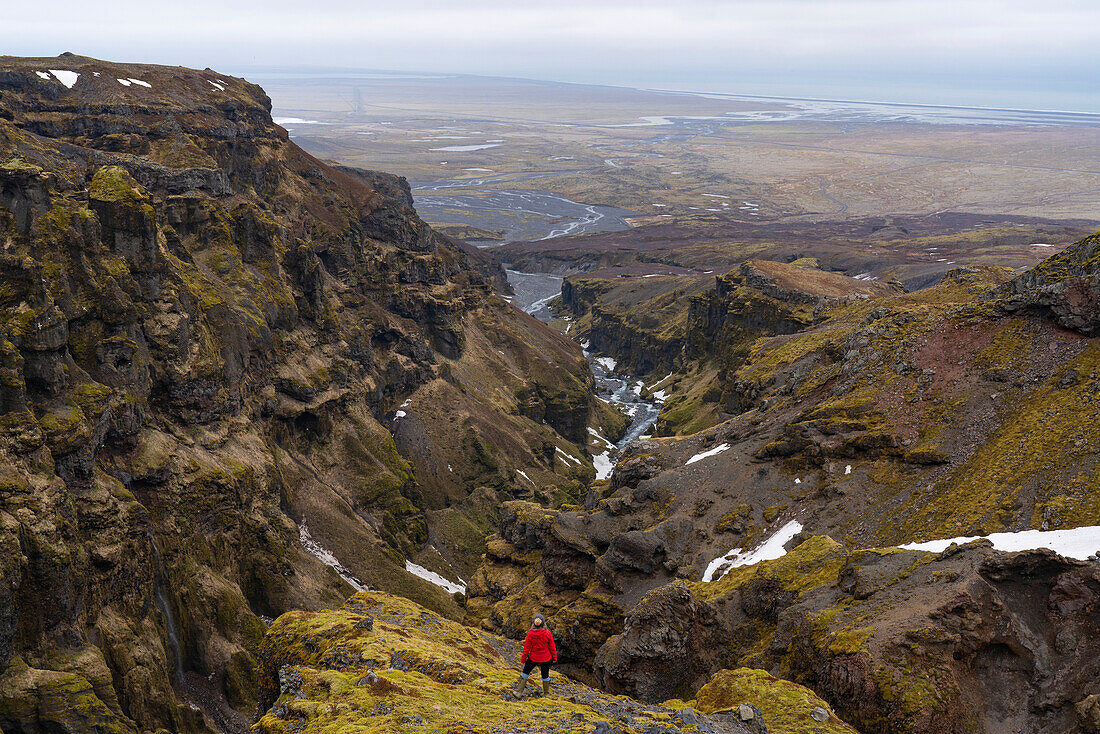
[(533, 293)]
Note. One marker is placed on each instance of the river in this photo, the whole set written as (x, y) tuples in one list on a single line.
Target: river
[(521, 214), (533, 292)]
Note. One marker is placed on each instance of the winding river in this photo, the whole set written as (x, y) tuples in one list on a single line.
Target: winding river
[(521, 214)]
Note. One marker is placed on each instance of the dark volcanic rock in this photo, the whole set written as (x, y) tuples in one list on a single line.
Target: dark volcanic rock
[(1067, 285)]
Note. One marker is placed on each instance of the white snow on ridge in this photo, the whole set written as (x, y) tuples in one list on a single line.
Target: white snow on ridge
[(599, 436), (658, 382), (1079, 543), (524, 475), (707, 454), (434, 578), (769, 550), (217, 86), (123, 82), (68, 78), (42, 74), (399, 414), (566, 455), (324, 555), (139, 82)]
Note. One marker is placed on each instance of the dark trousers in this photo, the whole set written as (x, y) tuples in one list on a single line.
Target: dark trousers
[(544, 667)]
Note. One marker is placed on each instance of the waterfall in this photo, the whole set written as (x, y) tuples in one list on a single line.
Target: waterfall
[(161, 598)]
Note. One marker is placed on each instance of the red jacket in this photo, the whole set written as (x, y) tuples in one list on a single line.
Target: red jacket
[(539, 646)]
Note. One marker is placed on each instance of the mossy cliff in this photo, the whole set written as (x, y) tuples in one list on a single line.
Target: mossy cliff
[(216, 353)]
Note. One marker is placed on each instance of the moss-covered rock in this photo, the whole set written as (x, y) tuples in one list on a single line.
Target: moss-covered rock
[(383, 664), (787, 708)]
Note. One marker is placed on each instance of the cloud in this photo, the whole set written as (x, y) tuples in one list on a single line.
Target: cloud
[(610, 40)]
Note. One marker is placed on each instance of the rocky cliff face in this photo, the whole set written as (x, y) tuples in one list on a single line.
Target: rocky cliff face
[(217, 353)]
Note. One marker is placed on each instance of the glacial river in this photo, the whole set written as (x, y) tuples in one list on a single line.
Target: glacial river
[(521, 214)]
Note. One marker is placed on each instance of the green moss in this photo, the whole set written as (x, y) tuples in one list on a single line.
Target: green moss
[(733, 517), (786, 706), (1039, 435), (115, 184), (850, 641)]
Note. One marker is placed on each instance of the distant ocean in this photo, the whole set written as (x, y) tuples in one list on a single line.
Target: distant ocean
[(1046, 97), (800, 108)]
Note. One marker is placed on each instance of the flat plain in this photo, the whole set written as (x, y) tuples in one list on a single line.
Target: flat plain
[(941, 186)]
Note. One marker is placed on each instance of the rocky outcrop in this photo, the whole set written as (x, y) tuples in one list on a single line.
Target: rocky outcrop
[(1066, 285), (580, 569), (967, 640), (222, 359)]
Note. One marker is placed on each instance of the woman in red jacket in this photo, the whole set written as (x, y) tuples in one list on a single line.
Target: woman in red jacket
[(538, 649)]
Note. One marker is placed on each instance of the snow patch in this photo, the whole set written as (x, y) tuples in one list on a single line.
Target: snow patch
[(604, 465), (608, 363), (769, 550), (124, 82), (707, 454), (1079, 543), (324, 555), (658, 382), (848, 469), (139, 82), (217, 86), (42, 74), (399, 414), (524, 475), (568, 456), (434, 578), (598, 436), (68, 78)]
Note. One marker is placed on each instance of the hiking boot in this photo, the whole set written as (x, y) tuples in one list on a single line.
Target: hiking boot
[(520, 686)]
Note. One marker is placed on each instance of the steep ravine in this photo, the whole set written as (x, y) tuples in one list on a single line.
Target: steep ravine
[(532, 292)]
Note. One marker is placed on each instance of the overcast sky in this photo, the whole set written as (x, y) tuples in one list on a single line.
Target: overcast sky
[(1026, 53)]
